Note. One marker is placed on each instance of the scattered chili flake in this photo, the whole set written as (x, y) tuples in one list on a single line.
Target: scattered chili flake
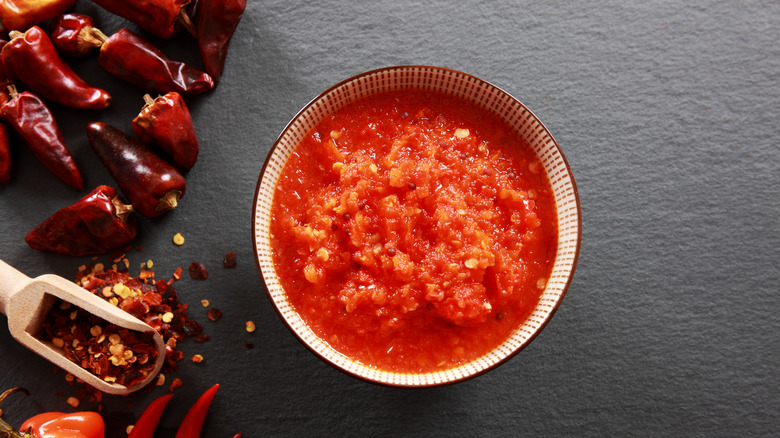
[(73, 401), (177, 273), (197, 358), (204, 303), (214, 314), (198, 271), (129, 429), (178, 239), (250, 326), (177, 383), (202, 338), (160, 380), (230, 260)]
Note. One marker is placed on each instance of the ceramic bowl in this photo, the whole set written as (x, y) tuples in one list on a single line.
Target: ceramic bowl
[(483, 94)]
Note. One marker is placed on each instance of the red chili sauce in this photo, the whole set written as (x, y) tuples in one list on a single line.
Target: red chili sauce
[(412, 231)]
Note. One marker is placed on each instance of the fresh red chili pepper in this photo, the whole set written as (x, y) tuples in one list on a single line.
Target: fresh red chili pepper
[(31, 58), (147, 422), (55, 424), (193, 422), (152, 185), (95, 224), (160, 17), (28, 115), (133, 59), (165, 122), (21, 14), (75, 35), (215, 21)]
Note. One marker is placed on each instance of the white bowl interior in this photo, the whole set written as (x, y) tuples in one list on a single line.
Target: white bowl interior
[(483, 94)]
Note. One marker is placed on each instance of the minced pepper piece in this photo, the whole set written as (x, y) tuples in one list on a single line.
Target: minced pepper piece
[(198, 271)]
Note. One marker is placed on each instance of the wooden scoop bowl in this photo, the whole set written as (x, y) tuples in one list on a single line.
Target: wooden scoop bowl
[(27, 302)]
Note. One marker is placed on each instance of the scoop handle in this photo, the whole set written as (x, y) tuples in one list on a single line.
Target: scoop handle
[(11, 282)]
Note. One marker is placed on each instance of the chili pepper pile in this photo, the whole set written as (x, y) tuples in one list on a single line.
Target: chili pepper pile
[(114, 354), (147, 168)]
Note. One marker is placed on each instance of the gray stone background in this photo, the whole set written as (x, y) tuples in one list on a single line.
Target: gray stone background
[(668, 115)]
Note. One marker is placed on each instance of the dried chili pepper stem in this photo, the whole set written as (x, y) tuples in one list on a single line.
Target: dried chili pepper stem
[(185, 21), (5, 428)]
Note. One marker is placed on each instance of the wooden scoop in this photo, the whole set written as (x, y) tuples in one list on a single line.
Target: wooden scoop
[(27, 302)]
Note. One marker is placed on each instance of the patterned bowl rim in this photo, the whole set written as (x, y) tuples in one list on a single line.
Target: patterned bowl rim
[(468, 370)]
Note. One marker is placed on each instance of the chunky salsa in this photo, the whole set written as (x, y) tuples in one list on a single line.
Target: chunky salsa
[(413, 231)]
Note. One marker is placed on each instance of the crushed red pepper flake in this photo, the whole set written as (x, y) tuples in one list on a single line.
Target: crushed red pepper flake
[(176, 384), (198, 271), (230, 260), (214, 314), (155, 302)]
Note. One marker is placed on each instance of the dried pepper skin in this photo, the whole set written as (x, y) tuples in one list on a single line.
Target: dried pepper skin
[(5, 140), (96, 224), (5, 155), (75, 35), (22, 14), (31, 58), (151, 184), (156, 16), (29, 116), (165, 122), (215, 21), (133, 59)]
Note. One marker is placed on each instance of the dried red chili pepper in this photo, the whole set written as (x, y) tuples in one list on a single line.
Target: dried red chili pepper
[(75, 35), (230, 260), (21, 14), (133, 59), (55, 424), (160, 17), (31, 58), (152, 185), (193, 422), (5, 155), (95, 224), (165, 122), (198, 271), (215, 22), (28, 115), (147, 422)]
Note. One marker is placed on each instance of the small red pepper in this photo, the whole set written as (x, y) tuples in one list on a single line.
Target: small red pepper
[(193, 422), (95, 224), (160, 17), (147, 422), (165, 122), (133, 59), (55, 424), (215, 21), (21, 14), (75, 35), (152, 185), (28, 115), (31, 58)]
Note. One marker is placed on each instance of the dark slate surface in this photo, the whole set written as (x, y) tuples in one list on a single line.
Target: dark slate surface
[(668, 115)]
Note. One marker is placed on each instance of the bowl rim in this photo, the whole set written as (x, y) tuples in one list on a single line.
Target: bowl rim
[(537, 330)]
